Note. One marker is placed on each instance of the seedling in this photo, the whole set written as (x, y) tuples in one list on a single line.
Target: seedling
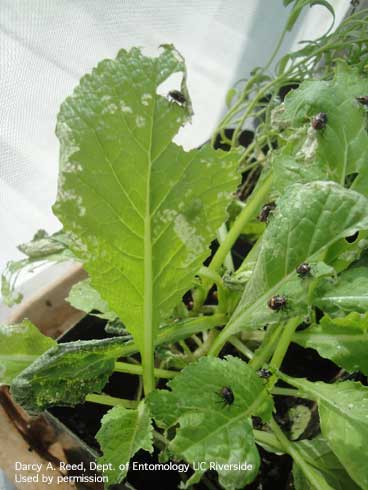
[(140, 214)]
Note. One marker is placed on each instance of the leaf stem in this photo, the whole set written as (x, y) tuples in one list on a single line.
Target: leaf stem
[(125, 367), (243, 349), (284, 342), (288, 392), (315, 478), (249, 211), (264, 352), (110, 400)]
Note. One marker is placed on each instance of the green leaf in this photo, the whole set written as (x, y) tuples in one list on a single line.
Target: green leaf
[(318, 454), (142, 210), (342, 340), (300, 230), (348, 293), (20, 345), (299, 416), (85, 297), (42, 248), (65, 374), (123, 432), (339, 149), (210, 430), (343, 411)]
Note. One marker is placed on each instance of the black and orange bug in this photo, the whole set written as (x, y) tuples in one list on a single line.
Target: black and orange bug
[(277, 302), (227, 395), (266, 211), (177, 96), (319, 121), (303, 270), (363, 99)]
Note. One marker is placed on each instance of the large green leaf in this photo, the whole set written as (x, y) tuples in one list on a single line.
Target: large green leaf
[(210, 430), (123, 432), (331, 153), (141, 209), (343, 340), (349, 292), (343, 409), (318, 454), (309, 218), (65, 374), (20, 345)]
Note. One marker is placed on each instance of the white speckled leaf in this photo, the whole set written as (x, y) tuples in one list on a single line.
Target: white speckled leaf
[(343, 409), (123, 432), (308, 219), (210, 430), (142, 210)]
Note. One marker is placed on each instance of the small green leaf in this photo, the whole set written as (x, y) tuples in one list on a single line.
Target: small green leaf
[(211, 430), (299, 416), (65, 374), (342, 340), (318, 454), (123, 432), (343, 411), (85, 297), (348, 293), (20, 345), (42, 248), (300, 230)]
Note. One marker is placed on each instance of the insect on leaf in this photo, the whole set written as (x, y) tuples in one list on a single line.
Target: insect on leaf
[(212, 427), (299, 232)]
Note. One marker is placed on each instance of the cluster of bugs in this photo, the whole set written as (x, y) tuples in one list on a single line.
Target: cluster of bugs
[(227, 396), (266, 212), (319, 121), (279, 302), (177, 96)]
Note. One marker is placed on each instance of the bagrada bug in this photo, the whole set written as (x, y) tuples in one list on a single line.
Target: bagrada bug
[(264, 373), (363, 99), (319, 121), (303, 270), (227, 395), (266, 211), (177, 96), (277, 303)]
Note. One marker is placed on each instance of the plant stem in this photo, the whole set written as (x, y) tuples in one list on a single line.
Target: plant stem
[(283, 345), (268, 439), (243, 349), (265, 350), (180, 330), (288, 392), (110, 400), (125, 367), (250, 210), (315, 478)]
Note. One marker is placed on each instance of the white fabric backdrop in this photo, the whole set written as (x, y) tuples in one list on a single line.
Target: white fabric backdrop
[(46, 45)]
